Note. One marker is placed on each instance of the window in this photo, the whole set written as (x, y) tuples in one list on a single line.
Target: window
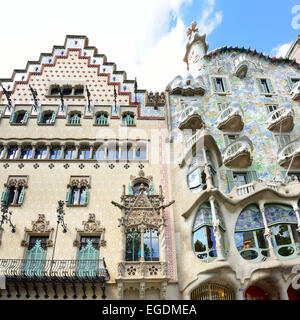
[(26, 152), (282, 140), (151, 245), (47, 117), (70, 153), (55, 152), (292, 82), (54, 90), (133, 246), (75, 118), (127, 152), (40, 152), (36, 254), (101, 119), (141, 153), (113, 153), (283, 224), (12, 152), (20, 117), (84, 152), (271, 107), (88, 256), (229, 138), (67, 90), (78, 90), (204, 243), (220, 84), (238, 179), (249, 235), (128, 119), (265, 86), (136, 188), (222, 106), (99, 153), (13, 195), (77, 195)]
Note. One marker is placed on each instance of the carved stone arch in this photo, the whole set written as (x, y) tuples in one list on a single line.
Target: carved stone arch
[(39, 227), (141, 178), (266, 282), (91, 227)]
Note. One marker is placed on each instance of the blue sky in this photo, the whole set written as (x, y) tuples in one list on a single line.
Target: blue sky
[(260, 24), (145, 38)]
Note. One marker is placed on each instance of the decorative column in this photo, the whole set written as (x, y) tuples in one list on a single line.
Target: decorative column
[(91, 152), (296, 209), (141, 229), (142, 290), (63, 147), (33, 151), (120, 290), (48, 151), (4, 152), (268, 233), (208, 179), (105, 152), (216, 222), (76, 151), (18, 153)]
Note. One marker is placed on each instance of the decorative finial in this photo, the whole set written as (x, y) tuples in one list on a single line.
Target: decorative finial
[(192, 29)]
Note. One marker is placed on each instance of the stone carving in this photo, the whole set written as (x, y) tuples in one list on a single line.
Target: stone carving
[(155, 99), (79, 183), (92, 225), (40, 225), (17, 182)]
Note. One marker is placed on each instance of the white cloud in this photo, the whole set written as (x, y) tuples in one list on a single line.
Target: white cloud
[(281, 50), (134, 34)]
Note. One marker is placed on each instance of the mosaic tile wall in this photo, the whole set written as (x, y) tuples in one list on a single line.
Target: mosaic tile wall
[(246, 92)]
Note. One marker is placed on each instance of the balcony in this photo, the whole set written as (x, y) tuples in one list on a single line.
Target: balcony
[(186, 85), (54, 271), (231, 118), (295, 92), (281, 119), (190, 118), (241, 66), (290, 152), (238, 153), (146, 270)]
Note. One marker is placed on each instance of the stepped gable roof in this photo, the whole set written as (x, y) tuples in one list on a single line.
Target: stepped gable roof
[(72, 43)]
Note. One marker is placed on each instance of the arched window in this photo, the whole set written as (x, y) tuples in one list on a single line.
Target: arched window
[(99, 153), (212, 291), (136, 188), (141, 152), (75, 118), (204, 242), (128, 119), (151, 245), (12, 151), (84, 152), (55, 152), (249, 235), (282, 221), (101, 118), (26, 152), (113, 152), (40, 152), (70, 152), (127, 152)]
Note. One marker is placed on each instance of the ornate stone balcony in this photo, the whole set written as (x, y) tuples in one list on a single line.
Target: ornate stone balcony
[(238, 153), (290, 152), (295, 92), (186, 85), (241, 66), (291, 188), (231, 118), (190, 118), (281, 119), (146, 270)]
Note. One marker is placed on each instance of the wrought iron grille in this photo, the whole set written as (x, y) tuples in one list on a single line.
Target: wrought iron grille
[(55, 270)]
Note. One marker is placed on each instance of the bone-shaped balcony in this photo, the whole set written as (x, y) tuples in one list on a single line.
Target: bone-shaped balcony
[(281, 119), (290, 152), (231, 118)]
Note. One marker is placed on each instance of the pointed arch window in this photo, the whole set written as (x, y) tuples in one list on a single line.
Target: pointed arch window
[(75, 118), (102, 118)]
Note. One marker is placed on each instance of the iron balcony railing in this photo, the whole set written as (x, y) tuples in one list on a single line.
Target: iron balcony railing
[(54, 270)]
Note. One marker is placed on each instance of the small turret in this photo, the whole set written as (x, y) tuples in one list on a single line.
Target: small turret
[(196, 48)]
